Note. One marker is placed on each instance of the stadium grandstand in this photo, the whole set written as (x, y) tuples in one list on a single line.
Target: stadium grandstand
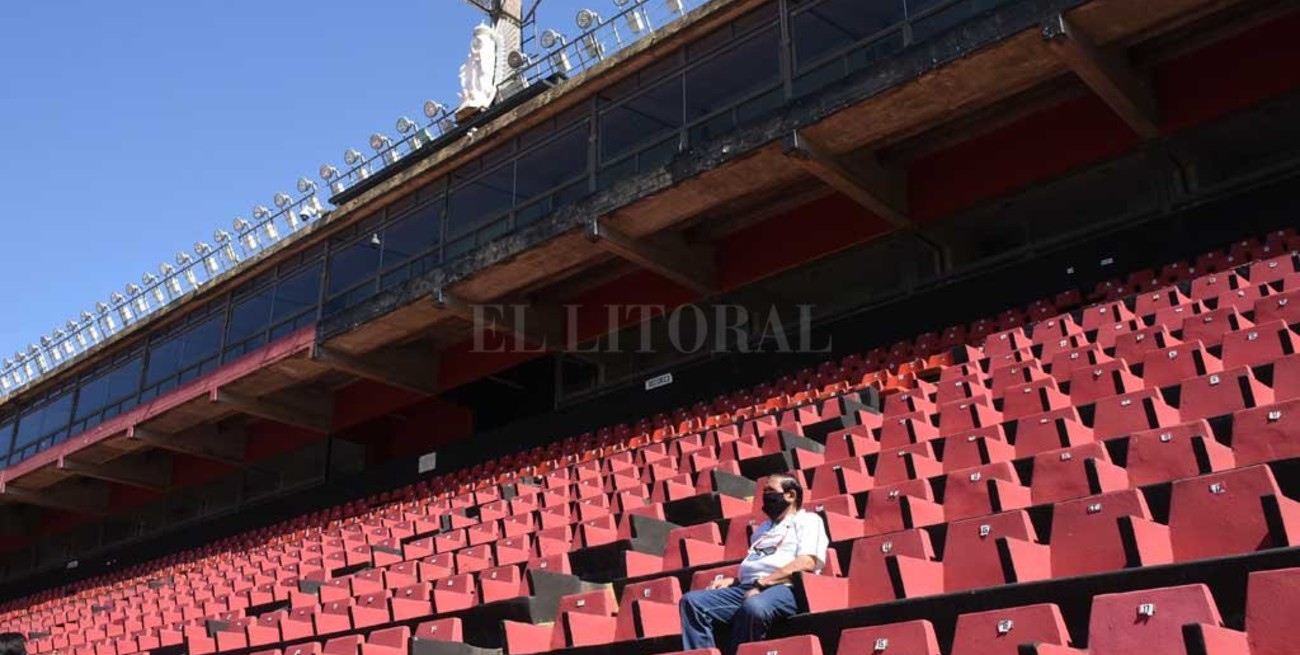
[(1010, 286)]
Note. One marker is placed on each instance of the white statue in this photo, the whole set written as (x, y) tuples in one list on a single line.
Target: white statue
[(478, 83)]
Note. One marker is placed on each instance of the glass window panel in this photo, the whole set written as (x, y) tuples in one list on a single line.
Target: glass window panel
[(249, 317), (6, 436), (109, 388), (484, 198), (943, 19), (40, 422), (647, 117), (552, 165), (718, 83), (412, 236), (834, 25), (296, 294), (174, 355), (353, 263)]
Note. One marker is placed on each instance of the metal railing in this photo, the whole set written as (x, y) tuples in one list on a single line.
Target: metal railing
[(560, 58)]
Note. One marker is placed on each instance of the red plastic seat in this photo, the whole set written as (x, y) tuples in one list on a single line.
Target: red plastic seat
[(1283, 307), (1132, 346), (440, 630), (910, 637), (1032, 398), (1264, 343), (1267, 433), (1111, 378), (901, 506), (1001, 631), (976, 448), (1106, 532), (1230, 512), (390, 641), (1148, 622), (1272, 605), (1176, 363), (1050, 431), (965, 415), (649, 609), (1209, 327), (993, 550), (1082, 470), (1178, 451), (883, 568), (1222, 393), (987, 489), (800, 645), (1132, 412)]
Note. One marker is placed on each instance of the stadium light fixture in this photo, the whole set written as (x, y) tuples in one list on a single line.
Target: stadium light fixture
[(676, 6), (151, 283), (307, 188), (209, 257), (226, 245), (587, 20), (552, 39), (64, 343), (247, 235), (437, 112), (331, 176), (90, 330), (636, 21), (263, 215), (47, 344), (356, 161), (418, 137), (168, 273), (186, 262), (284, 202), (37, 355), (141, 301), (110, 323), (381, 143), (123, 309)]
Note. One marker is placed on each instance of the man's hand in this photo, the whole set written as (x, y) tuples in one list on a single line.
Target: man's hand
[(721, 583), (757, 589)]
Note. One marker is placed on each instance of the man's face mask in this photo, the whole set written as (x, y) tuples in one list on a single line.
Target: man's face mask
[(774, 504)]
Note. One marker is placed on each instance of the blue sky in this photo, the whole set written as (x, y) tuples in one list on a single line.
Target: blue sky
[(132, 129)]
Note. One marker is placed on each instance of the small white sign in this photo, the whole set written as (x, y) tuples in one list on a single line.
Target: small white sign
[(428, 462), (659, 381)]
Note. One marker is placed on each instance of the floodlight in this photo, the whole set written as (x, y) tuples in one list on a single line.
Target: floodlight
[(168, 273), (282, 200), (39, 357), (418, 136), (552, 38), (186, 263), (205, 251), (517, 59), (381, 143), (64, 343), (151, 283), (123, 310), (261, 214), (137, 296), (48, 344), (586, 18), (89, 320), (375, 240), (676, 6), (306, 186), (433, 109), (331, 175), (227, 246), (247, 236), (354, 159)]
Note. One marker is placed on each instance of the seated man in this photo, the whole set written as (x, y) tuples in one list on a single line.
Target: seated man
[(791, 541)]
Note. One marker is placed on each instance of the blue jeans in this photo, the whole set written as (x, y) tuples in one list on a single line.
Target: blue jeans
[(703, 611)]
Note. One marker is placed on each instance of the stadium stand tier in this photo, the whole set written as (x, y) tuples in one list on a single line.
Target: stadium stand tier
[(1060, 414)]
